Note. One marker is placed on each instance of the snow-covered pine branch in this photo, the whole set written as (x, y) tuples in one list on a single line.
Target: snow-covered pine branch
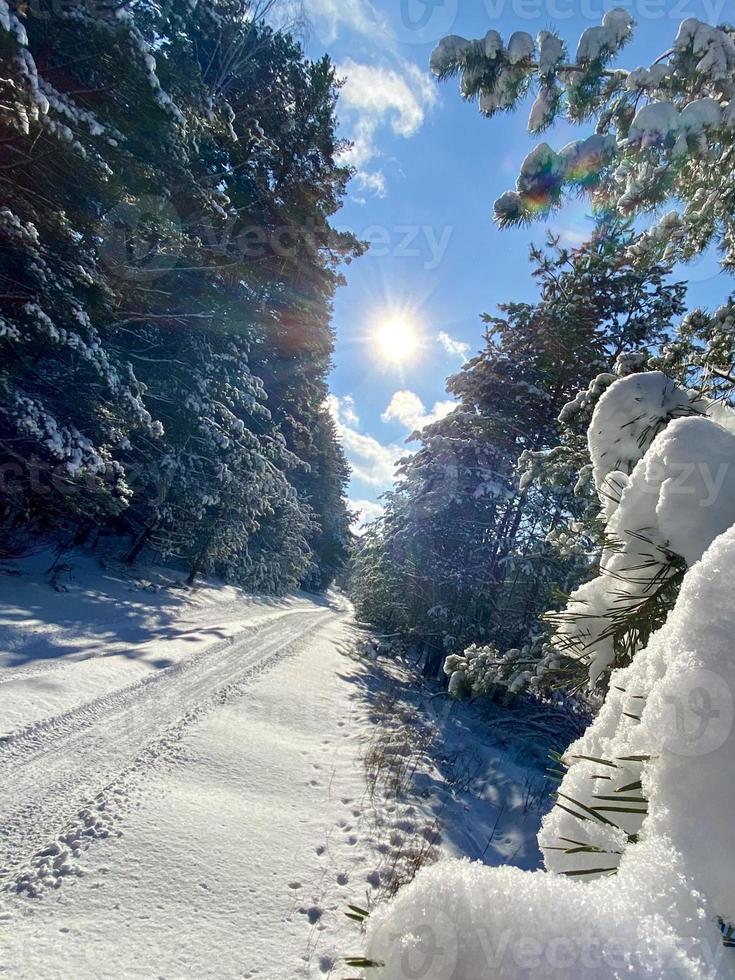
[(662, 132), (641, 836), (639, 853)]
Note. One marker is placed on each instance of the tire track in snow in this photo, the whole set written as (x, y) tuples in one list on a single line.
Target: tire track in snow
[(19, 745), (224, 615), (67, 780)]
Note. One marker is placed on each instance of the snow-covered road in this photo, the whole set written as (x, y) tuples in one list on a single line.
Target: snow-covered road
[(199, 783), (197, 822), (89, 753)]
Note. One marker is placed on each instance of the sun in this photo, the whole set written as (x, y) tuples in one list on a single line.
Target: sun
[(397, 338)]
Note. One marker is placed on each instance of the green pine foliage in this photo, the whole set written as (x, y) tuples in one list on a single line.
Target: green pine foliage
[(168, 178)]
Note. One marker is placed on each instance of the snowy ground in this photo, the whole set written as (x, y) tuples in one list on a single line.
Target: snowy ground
[(106, 629), (199, 784)]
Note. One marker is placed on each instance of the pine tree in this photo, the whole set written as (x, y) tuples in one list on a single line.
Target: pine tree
[(67, 403), (191, 151), (467, 558)]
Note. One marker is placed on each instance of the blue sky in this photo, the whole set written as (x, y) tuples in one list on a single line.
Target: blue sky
[(429, 168)]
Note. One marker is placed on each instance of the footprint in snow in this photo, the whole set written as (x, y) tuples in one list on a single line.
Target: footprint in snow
[(313, 914)]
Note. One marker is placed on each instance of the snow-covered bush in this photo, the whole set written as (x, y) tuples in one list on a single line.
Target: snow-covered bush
[(640, 850), (471, 672), (481, 668), (662, 461)]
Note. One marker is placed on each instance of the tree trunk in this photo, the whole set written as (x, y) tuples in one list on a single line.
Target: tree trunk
[(140, 542), (434, 660), (199, 561)]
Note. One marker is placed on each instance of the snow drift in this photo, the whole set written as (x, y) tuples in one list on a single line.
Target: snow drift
[(658, 915)]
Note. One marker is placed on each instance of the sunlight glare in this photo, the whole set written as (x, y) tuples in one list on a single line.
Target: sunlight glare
[(397, 338)]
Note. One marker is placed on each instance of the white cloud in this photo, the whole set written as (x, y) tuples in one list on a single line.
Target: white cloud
[(407, 408), (451, 345), (368, 510), (373, 182), (372, 462), (357, 15), (343, 409), (377, 96), (349, 410)]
